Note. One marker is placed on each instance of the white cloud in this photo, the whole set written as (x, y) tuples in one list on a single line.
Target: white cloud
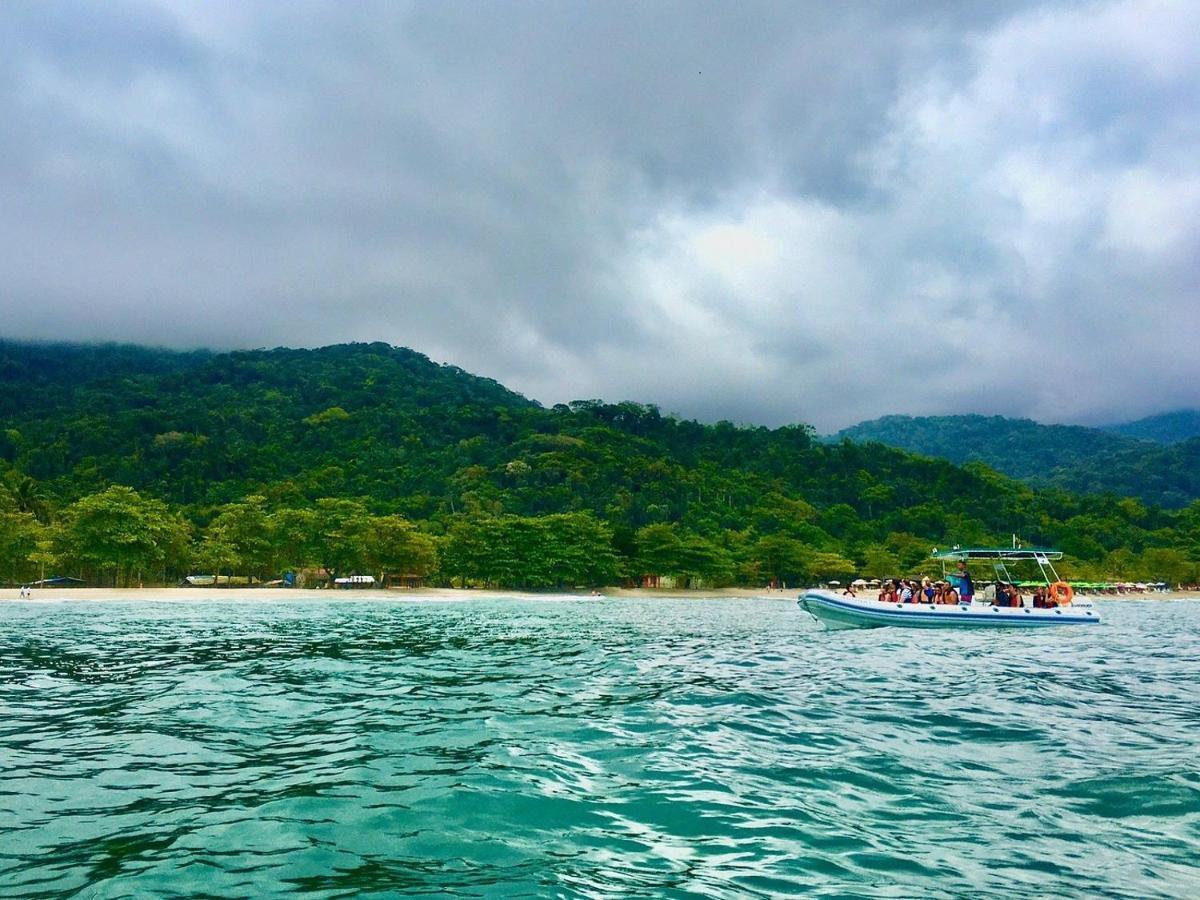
[(768, 214)]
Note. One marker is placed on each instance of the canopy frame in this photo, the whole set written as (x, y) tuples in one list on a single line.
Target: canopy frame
[(1001, 556)]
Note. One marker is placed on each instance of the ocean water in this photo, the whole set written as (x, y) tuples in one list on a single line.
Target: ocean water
[(591, 749)]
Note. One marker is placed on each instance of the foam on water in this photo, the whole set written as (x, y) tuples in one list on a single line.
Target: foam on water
[(665, 747)]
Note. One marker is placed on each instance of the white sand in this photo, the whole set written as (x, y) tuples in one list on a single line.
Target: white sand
[(185, 595)]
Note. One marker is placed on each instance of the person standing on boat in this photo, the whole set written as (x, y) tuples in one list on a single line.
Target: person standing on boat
[(966, 587)]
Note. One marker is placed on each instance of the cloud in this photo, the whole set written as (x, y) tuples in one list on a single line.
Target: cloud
[(766, 212)]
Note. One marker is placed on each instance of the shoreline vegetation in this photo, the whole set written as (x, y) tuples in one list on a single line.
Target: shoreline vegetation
[(124, 466), (276, 594)]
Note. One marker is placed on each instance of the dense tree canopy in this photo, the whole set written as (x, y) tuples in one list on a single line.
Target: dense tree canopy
[(1118, 461), (123, 463)]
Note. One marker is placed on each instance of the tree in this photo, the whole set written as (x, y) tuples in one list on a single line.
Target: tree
[(825, 566), (879, 562), (394, 545), (463, 551), (1167, 563), (20, 534), (27, 496), (577, 549), (340, 536), (659, 550), (780, 559), (121, 531), (293, 533), (239, 538)]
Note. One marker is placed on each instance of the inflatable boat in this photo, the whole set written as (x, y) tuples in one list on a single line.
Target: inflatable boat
[(1063, 607)]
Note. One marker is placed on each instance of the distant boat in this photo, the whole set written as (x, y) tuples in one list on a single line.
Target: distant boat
[(846, 611)]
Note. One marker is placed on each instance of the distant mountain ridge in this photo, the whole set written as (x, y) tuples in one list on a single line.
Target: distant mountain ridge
[(1133, 459), (1167, 428)]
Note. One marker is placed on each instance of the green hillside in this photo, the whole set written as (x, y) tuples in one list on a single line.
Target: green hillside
[(1077, 459), (374, 458), (1167, 428)]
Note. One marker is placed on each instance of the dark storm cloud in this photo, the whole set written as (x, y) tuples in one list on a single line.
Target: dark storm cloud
[(767, 212)]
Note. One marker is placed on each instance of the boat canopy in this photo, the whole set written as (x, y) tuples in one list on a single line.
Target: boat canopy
[(1000, 557), (1002, 553)]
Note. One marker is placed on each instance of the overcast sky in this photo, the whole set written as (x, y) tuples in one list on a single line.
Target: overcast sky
[(767, 212)]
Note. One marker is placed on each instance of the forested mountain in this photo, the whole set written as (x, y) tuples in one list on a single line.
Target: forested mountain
[(117, 460), (1167, 428), (1078, 459)]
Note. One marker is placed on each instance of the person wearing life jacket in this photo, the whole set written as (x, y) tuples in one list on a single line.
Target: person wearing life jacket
[(1014, 596)]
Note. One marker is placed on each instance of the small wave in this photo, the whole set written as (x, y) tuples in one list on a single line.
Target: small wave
[(555, 745)]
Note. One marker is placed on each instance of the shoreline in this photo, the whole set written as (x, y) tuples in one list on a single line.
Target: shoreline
[(240, 594), (253, 594)]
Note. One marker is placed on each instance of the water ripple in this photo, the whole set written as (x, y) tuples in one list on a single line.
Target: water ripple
[(591, 749)]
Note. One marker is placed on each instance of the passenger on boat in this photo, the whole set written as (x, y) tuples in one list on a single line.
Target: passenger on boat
[(1014, 597), (1003, 596), (927, 589), (906, 592), (1039, 597), (966, 587), (950, 595)]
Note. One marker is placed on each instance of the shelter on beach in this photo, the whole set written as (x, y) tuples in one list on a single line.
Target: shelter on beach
[(354, 581)]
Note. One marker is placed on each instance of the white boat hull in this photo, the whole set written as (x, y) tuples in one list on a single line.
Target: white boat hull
[(837, 611)]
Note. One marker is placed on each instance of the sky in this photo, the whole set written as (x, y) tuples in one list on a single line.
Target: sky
[(762, 212)]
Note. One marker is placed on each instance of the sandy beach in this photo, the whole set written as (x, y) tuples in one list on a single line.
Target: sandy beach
[(188, 595)]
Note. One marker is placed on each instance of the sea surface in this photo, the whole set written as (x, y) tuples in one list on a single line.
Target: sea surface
[(666, 748)]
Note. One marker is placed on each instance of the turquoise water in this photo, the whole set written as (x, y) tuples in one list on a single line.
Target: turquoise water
[(616, 747)]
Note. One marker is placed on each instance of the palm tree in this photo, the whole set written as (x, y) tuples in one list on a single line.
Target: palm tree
[(28, 497)]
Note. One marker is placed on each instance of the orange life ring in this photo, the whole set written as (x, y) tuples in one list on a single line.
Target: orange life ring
[(1062, 593)]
